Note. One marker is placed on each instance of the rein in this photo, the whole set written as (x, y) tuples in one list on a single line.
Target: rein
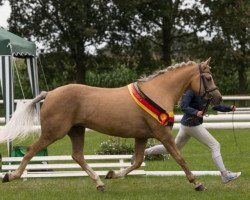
[(204, 111), (152, 108), (205, 108)]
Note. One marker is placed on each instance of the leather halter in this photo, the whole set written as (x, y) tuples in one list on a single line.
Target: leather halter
[(147, 104), (203, 80)]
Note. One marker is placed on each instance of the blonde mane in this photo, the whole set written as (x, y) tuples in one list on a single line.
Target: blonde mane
[(162, 71)]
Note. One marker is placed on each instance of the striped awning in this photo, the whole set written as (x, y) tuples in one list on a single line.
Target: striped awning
[(7, 85)]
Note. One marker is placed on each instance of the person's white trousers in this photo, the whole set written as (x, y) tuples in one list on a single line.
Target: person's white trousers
[(199, 133)]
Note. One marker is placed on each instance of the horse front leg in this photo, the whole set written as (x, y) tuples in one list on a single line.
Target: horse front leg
[(167, 140), (140, 145)]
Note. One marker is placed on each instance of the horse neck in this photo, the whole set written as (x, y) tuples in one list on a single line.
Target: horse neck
[(182, 79), (170, 86)]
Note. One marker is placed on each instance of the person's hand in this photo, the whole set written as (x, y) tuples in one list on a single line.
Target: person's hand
[(199, 114), (233, 108)]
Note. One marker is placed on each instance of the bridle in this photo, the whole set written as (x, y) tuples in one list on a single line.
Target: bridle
[(206, 91)]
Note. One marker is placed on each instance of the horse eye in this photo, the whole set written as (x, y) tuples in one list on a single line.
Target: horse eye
[(209, 78)]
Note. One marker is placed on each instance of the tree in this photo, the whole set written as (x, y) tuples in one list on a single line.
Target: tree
[(69, 26), (59, 69), (162, 21), (230, 22)]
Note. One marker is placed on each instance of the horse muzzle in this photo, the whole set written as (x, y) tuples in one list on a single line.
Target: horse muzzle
[(214, 96), (216, 99)]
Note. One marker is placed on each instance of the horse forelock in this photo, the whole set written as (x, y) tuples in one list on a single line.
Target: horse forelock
[(170, 68)]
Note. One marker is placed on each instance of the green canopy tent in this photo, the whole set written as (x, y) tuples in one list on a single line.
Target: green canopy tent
[(11, 46)]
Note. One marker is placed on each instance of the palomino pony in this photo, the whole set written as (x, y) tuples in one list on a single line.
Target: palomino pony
[(137, 111)]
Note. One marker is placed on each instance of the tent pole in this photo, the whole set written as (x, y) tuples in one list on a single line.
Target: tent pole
[(7, 83), (33, 76)]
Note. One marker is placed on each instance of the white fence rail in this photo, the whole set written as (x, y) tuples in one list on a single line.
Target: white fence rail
[(223, 117), (101, 162), (224, 97), (221, 125), (222, 121), (231, 97), (225, 121), (209, 118), (61, 166)]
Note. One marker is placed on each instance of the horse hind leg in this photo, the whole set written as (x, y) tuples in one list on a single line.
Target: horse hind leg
[(140, 145), (32, 150), (76, 135)]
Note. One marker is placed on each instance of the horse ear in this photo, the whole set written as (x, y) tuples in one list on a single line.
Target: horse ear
[(207, 61)]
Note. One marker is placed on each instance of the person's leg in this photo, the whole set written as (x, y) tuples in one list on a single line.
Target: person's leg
[(182, 137), (180, 140), (203, 136), (154, 150)]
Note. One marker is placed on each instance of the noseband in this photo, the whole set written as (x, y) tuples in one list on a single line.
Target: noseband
[(206, 91)]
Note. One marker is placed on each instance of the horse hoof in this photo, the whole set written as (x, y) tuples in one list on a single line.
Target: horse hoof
[(101, 188), (110, 174), (200, 187), (6, 178)]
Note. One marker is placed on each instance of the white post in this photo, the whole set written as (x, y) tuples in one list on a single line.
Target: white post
[(7, 86), (33, 76)]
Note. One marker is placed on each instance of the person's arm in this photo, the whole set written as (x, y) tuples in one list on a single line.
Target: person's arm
[(224, 108), (185, 104)]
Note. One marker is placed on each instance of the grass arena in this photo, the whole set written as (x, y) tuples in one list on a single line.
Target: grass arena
[(116, 79), (235, 155), (233, 142)]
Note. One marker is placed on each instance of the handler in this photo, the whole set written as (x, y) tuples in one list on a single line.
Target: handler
[(191, 126)]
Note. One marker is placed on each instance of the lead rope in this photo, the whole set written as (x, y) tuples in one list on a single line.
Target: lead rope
[(235, 139)]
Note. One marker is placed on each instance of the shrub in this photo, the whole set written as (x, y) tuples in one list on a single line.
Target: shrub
[(118, 146), (115, 146), (152, 143)]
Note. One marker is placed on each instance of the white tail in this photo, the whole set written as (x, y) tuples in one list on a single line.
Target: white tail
[(22, 121)]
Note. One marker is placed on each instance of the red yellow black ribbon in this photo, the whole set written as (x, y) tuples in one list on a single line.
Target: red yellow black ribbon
[(163, 117)]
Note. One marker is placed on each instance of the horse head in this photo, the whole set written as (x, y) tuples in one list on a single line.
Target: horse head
[(204, 84)]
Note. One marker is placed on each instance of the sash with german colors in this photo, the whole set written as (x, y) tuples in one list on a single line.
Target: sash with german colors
[(147, 104)]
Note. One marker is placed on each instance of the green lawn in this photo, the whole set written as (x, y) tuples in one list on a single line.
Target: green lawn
[(197, 156)]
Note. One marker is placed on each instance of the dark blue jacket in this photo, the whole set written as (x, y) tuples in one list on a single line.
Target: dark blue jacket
[(191, 104)]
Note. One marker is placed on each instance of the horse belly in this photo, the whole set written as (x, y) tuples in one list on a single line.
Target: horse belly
[(114, 124)]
